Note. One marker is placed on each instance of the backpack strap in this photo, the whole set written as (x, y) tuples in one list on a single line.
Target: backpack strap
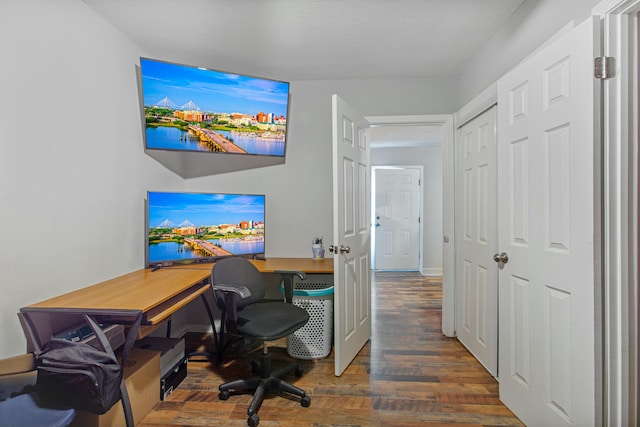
[(104, 341), (128, 346)]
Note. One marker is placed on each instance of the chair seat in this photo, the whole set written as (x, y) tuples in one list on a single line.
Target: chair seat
[(25, 410), (271, 320)]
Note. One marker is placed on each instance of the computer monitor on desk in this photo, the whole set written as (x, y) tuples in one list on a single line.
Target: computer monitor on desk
[(185, 228)]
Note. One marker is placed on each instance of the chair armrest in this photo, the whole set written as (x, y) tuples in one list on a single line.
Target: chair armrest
[(287, 280), (17, 364), (231, 296), (242, 291), (292, 273), (17, 375)]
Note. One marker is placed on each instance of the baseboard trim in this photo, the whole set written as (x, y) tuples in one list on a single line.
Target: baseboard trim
[(431, 272)]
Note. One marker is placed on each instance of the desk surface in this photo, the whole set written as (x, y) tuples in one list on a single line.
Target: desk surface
[(271, 265), (306, 265), (159, 293)]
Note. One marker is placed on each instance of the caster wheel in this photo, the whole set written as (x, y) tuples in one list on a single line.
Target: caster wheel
[(253, 420), (298, 372), (224, 395), (305, 401)]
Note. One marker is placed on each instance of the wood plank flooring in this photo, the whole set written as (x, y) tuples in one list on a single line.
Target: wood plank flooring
[(408, 375)]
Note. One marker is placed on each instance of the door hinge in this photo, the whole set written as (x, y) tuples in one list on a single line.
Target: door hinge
[(604, 67)]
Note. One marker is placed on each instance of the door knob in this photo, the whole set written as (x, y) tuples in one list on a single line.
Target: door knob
[(503, 258), (342, 249)]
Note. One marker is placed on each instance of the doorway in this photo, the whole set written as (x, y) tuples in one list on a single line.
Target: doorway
[(389, 140), (396, 202)]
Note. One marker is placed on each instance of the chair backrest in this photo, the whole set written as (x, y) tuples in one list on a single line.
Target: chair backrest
[(238, 271)]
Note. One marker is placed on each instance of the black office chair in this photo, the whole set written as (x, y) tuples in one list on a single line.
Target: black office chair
[(238, 287)]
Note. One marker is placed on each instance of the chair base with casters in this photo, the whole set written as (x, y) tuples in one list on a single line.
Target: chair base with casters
[(264, 380)]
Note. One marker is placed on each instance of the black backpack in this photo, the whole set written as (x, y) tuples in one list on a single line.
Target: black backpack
[(78, 375)]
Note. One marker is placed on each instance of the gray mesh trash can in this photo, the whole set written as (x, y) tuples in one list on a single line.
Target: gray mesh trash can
[(314, 340)]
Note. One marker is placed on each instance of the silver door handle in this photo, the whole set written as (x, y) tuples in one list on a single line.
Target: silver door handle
[(503, 258), (342, 249)]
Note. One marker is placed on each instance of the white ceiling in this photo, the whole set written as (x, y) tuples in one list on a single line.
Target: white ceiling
[(295, 40)]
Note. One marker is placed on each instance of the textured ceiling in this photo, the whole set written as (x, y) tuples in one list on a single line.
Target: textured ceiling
[(294, 40)]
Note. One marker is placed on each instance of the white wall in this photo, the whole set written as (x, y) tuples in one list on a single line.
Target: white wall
[(299, 193), (535, 22), (431, 160), (73, 174)]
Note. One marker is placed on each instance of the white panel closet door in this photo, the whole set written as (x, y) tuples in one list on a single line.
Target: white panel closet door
[(546, 125), (476, 187)]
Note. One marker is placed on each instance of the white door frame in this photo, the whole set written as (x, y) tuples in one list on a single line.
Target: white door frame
[(620, 199), (446, 121), (373, 211)]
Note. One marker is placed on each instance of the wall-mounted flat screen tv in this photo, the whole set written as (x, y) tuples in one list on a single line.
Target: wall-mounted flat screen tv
[(186, 227), (196, 109)]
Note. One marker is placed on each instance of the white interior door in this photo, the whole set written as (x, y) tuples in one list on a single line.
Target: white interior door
[(351, 233), (397, 221), (546, 127), (476, 187)]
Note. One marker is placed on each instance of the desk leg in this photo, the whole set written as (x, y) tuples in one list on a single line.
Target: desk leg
[(213, 327), (30, 331), (211, 320), (126, 351)]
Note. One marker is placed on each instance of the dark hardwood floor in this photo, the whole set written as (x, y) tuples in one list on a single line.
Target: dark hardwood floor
[(407, 375)]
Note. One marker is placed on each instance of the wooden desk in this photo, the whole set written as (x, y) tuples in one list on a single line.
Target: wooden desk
[(271, 265), (158, 294), (144, 297), (153, 295)]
